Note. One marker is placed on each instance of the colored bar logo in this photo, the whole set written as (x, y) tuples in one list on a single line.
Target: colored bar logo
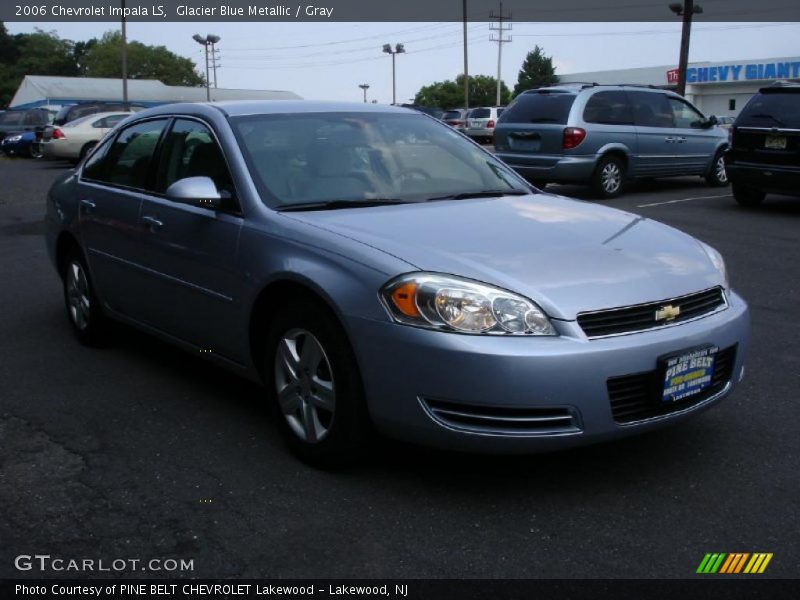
[(734, 563)]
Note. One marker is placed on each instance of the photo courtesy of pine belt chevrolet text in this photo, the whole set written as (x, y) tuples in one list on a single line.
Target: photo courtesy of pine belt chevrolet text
[(379, 272)]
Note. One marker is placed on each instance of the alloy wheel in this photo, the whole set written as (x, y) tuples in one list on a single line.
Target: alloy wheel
[(78, 299), (304, 385), (719, 171), (611, 178)]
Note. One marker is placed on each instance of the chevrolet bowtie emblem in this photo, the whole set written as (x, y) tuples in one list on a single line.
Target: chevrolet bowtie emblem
[(668, 313)]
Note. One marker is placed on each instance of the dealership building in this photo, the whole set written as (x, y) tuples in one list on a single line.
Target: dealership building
[(716, 88)]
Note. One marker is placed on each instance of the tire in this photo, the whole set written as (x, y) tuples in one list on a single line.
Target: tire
[(83, 309), (608, 177), (747, 196), (34, 151), (314, 384), (85, 150), (717, 177)]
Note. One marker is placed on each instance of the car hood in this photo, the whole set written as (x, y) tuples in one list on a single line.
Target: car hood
[(569, 256)]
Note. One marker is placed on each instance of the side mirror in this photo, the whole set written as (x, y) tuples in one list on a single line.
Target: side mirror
[(197, 191)]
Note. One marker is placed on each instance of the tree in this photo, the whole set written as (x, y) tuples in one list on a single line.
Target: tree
[(39, 53), (537, 71), (450, 94), (102, 59)]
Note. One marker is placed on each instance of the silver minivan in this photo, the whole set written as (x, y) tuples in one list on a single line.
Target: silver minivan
[(608, 135)]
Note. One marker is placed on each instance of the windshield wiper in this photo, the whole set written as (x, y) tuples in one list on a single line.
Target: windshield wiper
[(336, 204), (480, 194), (766, 116)]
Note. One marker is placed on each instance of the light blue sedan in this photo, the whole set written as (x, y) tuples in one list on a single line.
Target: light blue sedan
[(377, 270)]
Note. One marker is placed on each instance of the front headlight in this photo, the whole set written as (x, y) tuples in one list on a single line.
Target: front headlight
[(718, 262), (13, 138), (450, 303)]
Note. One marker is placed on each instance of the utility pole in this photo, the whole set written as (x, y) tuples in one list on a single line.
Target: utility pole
[(466, 65), (214, 65), (365, 87), (124, 59), (687, 11), (500, 28)]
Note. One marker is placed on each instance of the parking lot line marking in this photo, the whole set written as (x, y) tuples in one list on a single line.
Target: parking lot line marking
[(683, 200)]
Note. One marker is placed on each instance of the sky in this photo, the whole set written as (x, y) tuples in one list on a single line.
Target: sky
[(327, 61)]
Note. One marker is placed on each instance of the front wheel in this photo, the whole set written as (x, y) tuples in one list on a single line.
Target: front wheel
[(717, 177), (609, 177), (747, 196), (314, 382)]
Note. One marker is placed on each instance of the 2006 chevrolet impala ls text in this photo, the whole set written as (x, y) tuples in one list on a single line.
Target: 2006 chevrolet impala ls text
[(374, 268)]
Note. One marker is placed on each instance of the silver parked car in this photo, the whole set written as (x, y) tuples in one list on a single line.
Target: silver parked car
[(481, 122), (372, 267), (608, 135)]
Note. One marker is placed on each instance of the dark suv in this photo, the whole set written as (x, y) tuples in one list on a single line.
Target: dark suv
[(764, 156)]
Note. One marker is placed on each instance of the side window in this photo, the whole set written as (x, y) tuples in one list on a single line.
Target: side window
[(93, 167), (108, 122), (685, 116), (651, 109), (608, 108), (190, 150), (127, 161)]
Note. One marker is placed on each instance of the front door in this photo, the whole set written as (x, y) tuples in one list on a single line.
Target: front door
[(195, 288)]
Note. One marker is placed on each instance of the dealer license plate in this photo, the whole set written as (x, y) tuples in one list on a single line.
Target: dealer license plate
[(688, 374), (775, 142)]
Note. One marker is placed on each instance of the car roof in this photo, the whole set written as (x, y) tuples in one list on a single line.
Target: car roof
[(271, 107)]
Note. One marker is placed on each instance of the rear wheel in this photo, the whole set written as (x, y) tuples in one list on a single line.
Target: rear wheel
[(34, 150), (85, 150), (609, 177), (315, 385), (747, 196), (717, 177), (83, 308)]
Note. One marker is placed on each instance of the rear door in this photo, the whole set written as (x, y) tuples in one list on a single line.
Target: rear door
[(767, 132), (478, 118), (530, 132), (111, 187)]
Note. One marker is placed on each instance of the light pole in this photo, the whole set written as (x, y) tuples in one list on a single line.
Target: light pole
[(207, 41), (365, 87), (687, 10), (398, 49)]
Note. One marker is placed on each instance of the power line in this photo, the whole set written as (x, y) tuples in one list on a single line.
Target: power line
[(649, 31), (501, 29)]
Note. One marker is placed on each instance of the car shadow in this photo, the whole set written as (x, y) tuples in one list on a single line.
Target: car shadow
[(641, 186), (620, 463)]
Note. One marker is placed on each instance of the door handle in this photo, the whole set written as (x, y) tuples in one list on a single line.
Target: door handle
[(681, 140), (152, 223), (669, 140), (88, 206)]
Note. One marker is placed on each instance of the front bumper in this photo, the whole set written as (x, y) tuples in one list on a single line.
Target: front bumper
[(555, 168), (403, 365)]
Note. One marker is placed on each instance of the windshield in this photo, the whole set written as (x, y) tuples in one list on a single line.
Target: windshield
[(327, 157), (772, 110)]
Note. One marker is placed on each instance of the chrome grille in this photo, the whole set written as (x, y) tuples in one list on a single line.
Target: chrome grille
[(638, 397), (500, 420), (641, 317)]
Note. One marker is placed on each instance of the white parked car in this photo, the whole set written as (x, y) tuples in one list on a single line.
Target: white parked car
[(74, 140), (481, 122)]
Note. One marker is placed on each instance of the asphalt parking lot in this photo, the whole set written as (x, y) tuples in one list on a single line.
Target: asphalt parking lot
[(142, 451)]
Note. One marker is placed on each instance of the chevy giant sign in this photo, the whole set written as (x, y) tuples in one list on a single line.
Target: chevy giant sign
[(743, 72)]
